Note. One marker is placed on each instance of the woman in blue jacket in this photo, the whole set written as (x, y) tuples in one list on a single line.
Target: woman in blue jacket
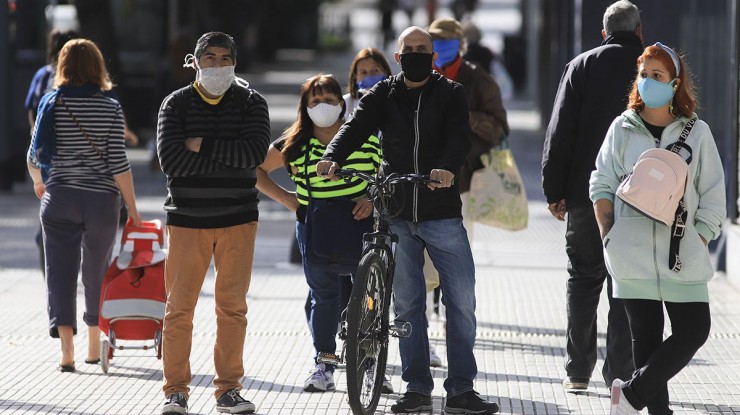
[(636, 248)]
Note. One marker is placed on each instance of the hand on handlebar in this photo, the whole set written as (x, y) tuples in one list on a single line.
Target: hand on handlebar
[(326, 169), (443, 177)]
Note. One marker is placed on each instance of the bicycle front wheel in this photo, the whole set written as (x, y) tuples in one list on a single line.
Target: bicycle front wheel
[(367, 338)]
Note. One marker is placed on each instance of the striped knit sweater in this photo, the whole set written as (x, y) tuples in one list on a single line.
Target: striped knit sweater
[(214, 188), (78, 163)]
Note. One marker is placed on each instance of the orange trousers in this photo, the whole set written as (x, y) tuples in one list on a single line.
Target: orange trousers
[(188, 258)]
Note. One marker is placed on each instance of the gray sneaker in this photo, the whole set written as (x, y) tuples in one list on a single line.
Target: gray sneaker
[(434, 359), (233, 403), (176, 404), (387, 385), (321, 380)]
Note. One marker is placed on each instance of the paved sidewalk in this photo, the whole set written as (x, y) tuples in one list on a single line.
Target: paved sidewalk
[(521, 313), (520, 346)]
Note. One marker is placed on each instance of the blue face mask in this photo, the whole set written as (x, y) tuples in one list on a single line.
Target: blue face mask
[(655, 94), (447, 51), (369, 81)]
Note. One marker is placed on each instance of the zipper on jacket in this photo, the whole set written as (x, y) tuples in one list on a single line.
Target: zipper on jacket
[(416, 156), (655, 260)]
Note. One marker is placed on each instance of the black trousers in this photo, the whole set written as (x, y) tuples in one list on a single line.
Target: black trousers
[(658, 360), (587, 275)]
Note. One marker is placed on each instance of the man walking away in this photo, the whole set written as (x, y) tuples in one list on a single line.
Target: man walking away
[(592, 92)]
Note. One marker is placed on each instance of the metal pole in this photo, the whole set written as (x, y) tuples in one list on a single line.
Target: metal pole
[(6, 175)]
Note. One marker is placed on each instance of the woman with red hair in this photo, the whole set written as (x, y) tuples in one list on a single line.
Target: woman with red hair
[(639, 252), (80, 171)]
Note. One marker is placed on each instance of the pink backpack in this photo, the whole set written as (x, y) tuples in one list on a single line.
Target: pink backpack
[(656, 186)]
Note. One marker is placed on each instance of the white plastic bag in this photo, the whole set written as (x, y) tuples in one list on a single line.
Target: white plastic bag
[(497, 196)]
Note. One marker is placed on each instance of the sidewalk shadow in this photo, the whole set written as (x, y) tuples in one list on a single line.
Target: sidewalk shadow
[(525, 330), (142, 373), (703, 407), (6, 404)]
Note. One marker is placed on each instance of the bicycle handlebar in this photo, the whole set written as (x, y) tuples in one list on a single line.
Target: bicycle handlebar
[(417, 179)]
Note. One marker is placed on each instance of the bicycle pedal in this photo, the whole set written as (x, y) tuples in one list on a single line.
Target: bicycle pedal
[(400, 329), (328, 358)]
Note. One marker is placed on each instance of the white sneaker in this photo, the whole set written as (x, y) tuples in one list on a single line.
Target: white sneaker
[(434, 359), (620, 404), (320, 380)]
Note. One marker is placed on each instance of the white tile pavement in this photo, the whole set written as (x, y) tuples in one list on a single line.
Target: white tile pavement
[(520, 346)]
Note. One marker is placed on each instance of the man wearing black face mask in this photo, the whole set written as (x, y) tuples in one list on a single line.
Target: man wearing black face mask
[(424, 120)]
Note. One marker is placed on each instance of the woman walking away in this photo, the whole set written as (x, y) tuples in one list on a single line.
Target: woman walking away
[(651, 270), (80, 170), (320, 114)]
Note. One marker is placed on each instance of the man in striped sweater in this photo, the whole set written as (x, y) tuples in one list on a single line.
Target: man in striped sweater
[(211, 136)]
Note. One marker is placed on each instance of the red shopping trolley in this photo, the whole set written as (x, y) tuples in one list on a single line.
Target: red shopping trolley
[(133, 297)]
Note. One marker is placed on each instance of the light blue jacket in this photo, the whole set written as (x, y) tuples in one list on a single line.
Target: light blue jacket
[(636, 248)]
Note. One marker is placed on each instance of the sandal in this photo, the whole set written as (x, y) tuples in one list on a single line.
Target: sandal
[(92, 362), (66, 368)]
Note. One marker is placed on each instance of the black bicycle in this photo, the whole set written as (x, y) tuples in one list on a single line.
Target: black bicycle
[(365, 326)]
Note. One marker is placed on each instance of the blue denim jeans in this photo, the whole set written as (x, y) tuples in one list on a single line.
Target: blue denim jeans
[(448, 247), (325, 292)]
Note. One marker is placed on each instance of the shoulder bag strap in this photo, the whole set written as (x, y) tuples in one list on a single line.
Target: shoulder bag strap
[(679, 223), (305, 168), (680, 144), (97, 150)]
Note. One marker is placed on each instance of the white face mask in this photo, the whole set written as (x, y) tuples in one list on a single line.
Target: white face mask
[(325, 115), (216, 80)]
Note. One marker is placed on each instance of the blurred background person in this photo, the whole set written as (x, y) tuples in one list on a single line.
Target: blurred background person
[(368, 68), (488, 60), (78, 164), (488, 123)]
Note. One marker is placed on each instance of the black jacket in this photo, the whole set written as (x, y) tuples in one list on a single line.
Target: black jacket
[(593, 91), (422, 129)]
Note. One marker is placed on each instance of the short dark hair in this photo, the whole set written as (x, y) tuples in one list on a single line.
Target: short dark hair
[(217, 39), (55, 42)]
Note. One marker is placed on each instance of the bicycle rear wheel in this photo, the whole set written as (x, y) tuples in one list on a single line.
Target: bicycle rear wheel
[(367, 338)]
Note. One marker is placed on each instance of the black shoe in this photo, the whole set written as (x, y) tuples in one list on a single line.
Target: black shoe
[(70, 368), (232, 403), (176, 404), (412, 402), (470, 403)]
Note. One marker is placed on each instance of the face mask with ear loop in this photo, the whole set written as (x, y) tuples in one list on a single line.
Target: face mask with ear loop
[(215, 80), (656, 94), (324, 115)]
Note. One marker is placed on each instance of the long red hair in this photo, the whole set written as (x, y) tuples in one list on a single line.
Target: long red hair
[(684, 100)]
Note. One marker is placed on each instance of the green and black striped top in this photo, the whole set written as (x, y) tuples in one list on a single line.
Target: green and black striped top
[(366, 159)]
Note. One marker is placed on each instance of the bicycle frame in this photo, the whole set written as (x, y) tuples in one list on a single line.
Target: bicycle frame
[(367, 328)]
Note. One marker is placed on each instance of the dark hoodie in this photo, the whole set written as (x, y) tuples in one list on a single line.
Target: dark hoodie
[(423, 129)]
